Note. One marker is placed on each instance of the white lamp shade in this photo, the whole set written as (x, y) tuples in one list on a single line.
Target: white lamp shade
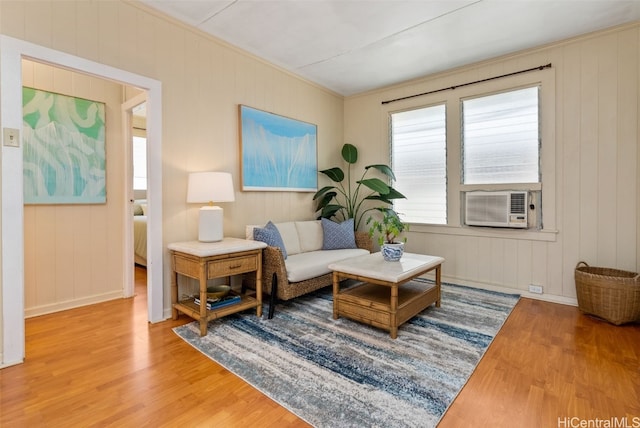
[(209, 187)]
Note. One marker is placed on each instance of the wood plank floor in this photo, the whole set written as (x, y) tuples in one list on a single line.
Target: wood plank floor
[(104, 365)]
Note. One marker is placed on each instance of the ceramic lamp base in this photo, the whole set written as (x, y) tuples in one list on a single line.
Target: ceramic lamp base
[(210, 227)]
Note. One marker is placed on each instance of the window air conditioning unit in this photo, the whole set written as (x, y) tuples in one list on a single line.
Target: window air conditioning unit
[(496, 209)]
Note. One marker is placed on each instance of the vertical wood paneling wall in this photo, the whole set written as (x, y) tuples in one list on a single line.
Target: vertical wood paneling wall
[(203, 82), (597, 170), (73, 252)]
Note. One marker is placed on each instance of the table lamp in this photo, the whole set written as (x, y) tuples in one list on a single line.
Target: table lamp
[(207, 187)]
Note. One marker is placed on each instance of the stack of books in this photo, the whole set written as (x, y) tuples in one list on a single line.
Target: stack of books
[(219, 303)]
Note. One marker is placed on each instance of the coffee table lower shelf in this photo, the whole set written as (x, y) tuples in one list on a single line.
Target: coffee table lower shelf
[(371, 303)]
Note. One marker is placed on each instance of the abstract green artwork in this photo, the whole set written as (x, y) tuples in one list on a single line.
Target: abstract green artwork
[(63, 149)]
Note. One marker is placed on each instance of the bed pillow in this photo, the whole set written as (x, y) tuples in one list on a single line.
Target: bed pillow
[(137, 209), (270, 236), (336, 236)]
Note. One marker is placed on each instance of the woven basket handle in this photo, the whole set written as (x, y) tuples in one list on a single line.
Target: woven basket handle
[(581, 263)]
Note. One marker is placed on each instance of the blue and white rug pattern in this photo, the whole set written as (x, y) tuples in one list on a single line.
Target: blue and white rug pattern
[(341, 373)]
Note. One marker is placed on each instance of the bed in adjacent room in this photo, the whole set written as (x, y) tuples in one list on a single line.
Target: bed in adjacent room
[(140, 232)]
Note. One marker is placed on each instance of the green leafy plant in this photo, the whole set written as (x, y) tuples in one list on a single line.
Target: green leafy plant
[(388, 228), (344, 199)]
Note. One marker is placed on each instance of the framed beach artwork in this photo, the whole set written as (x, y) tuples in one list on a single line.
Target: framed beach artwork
[(63, 149), (277, 153)]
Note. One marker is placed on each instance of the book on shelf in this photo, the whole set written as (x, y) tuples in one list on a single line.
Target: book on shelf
[(219, 303), (209, 299)]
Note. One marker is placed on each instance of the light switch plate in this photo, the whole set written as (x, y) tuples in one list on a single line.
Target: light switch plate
[(11, 137)]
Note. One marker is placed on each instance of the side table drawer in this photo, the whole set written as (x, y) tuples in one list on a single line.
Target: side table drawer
[(185, 265), (234, 266)]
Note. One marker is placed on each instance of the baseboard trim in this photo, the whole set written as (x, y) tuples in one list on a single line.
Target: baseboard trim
[(6, 364), (167, 314), (551, 298), (70, 304)]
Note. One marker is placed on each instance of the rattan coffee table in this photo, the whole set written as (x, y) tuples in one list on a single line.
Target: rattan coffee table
[(387, 297)]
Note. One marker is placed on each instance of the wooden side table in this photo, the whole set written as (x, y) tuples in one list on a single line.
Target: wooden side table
[(208, 260)]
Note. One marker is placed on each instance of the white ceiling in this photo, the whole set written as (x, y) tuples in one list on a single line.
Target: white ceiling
[(351, 46)]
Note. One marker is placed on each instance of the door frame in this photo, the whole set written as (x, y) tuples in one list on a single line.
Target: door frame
[(127, 127), (12, 51)]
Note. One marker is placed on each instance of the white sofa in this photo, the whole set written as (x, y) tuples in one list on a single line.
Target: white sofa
[(304, 269)]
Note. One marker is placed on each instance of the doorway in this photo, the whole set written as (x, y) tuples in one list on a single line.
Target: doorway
[(134, 118), (13, 51)]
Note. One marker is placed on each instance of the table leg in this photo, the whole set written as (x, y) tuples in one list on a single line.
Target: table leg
[(336, 290), (203, 299), (259, 286), (393, 328), (174, 294), (438, 280)]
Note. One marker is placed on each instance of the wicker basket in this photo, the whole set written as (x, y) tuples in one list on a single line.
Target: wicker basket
[(610, 294)]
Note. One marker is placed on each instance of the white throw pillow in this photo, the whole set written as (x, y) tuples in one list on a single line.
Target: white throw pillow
[(310, 234), (289, 235)]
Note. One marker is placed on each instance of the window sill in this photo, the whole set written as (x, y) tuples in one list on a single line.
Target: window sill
[(544, 235)]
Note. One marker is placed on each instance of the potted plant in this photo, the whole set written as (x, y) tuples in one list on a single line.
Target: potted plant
[(345, 200), (389, 229)]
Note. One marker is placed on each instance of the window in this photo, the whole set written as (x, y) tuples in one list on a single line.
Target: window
[(488, 136), (139, 163), (495, 143), (418, 156), (501, 138)]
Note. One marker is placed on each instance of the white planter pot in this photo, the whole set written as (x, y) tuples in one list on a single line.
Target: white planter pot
[(392, 252)]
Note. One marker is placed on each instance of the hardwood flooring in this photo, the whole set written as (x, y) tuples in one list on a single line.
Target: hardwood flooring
[(551, 366), (104, 365)]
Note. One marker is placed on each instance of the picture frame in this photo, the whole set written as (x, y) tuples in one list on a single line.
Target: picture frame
[(64, 156), (277, 153)]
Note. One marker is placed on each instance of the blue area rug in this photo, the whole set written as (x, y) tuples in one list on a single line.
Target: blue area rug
[(343, 373)]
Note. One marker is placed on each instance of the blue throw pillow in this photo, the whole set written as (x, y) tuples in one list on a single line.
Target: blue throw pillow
[(270, 235), (337, 236)]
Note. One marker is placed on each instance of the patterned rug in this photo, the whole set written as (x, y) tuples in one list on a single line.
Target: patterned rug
[(343, 373)]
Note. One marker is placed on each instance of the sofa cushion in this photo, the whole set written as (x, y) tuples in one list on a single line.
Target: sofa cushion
[(290, 237), (248, 231), (338, 235), (271, 236), (310, 234), (314, 263)]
